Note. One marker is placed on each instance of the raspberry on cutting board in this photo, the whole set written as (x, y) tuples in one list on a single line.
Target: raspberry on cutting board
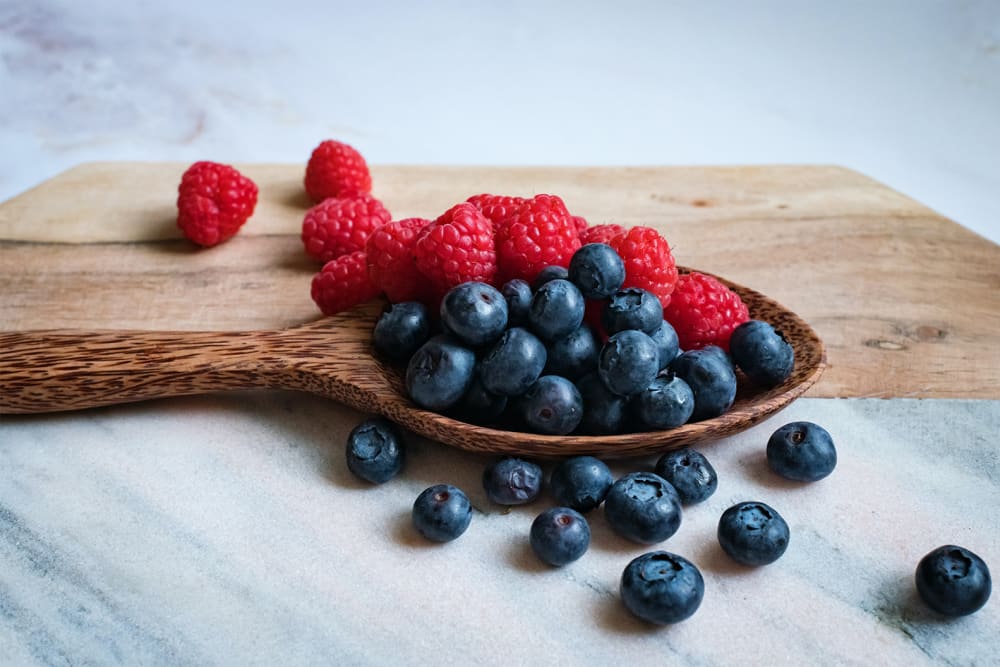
[(456, 248), (213, 201), (343, 283), (391, 266), (704, 312), (336, 227), (538, 234), (336, 170)]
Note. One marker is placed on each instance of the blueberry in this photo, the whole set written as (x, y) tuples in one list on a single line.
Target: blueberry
[(441, 513), (401, 329), (517, 293), (477, 405), (375, 450), (666, 403), (690, 473), (552, 406), (580, 482), (574, 355), (802, 451), (710, 375), (953, 581), (632, 308), (556, 310), (628, 362), (603, 410), (514, 363), (667, 344), (661, 587), (559, 535), (474, 312), (548, 274), (762, 353), (439, 373), (512, 481), (643, 507), (597, 270), (753, 533)]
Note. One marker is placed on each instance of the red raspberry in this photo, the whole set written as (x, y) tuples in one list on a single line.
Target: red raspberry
[(539, 233), (496, 208), (600, 233), (390, 260), (455, 248), (649, 264), (343, 283), (213, 202), (704, 312), (581, 224), (336, 170), (336, 227)]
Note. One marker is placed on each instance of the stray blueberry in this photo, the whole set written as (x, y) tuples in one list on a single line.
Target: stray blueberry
[(710, 375), (753, 533), (762, 353), (801, 451), (439, 373), (441, 513), (559, 535), (953, 581), (603, 410), (597, 270), (517, 293), (580, 482), (628, 362), (552, 406), (662, 588), (667, 344), (666, 403), (690, 473), (643, 507), (514, 363), (556, 310), (375, 450), (512, 481), (474, 312), (548, 274), (632, 308), (574, 355), (401, 329)]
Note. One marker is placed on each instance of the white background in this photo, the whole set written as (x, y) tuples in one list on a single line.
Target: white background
[(907, 92)]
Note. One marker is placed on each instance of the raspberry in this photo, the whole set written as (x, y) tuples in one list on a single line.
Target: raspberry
[(336, 170), (213, 202), (456, 248), (343, 283), (649, 265), (496, 208), (600, 233), (704, 312), (336, 227), (390, 260), (539, 233), (581, 223)]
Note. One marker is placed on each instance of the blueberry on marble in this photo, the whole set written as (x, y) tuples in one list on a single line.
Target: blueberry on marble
[(762, 353), (801, 451), (667, 344), (666, 403), (690, 473), (632, 308), (559, 536), (400, 330), (628, 362), (548, 274), (953, 581), (442, 512), (580, 482), (375, 450), (661, 587), (439, 373), (753, 533), (512, 481), (643, 507), (573, 356), (552, 406), (475, 313), (597, 270), (710, 375), (603, 410), (517, 293), (556, 310), (477, 405), (514, 363)]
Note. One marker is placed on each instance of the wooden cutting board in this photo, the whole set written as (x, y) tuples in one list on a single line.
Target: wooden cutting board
[(907, 302)]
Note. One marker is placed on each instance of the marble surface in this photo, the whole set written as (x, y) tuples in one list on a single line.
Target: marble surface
[(227, 530)]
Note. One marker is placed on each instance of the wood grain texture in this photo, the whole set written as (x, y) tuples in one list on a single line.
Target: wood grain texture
[(907, 302)]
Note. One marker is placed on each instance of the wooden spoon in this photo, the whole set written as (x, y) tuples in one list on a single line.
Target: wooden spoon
[(50, 371)]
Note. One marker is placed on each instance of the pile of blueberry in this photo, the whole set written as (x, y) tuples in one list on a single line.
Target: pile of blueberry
[(524, 357), (646, 507)]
